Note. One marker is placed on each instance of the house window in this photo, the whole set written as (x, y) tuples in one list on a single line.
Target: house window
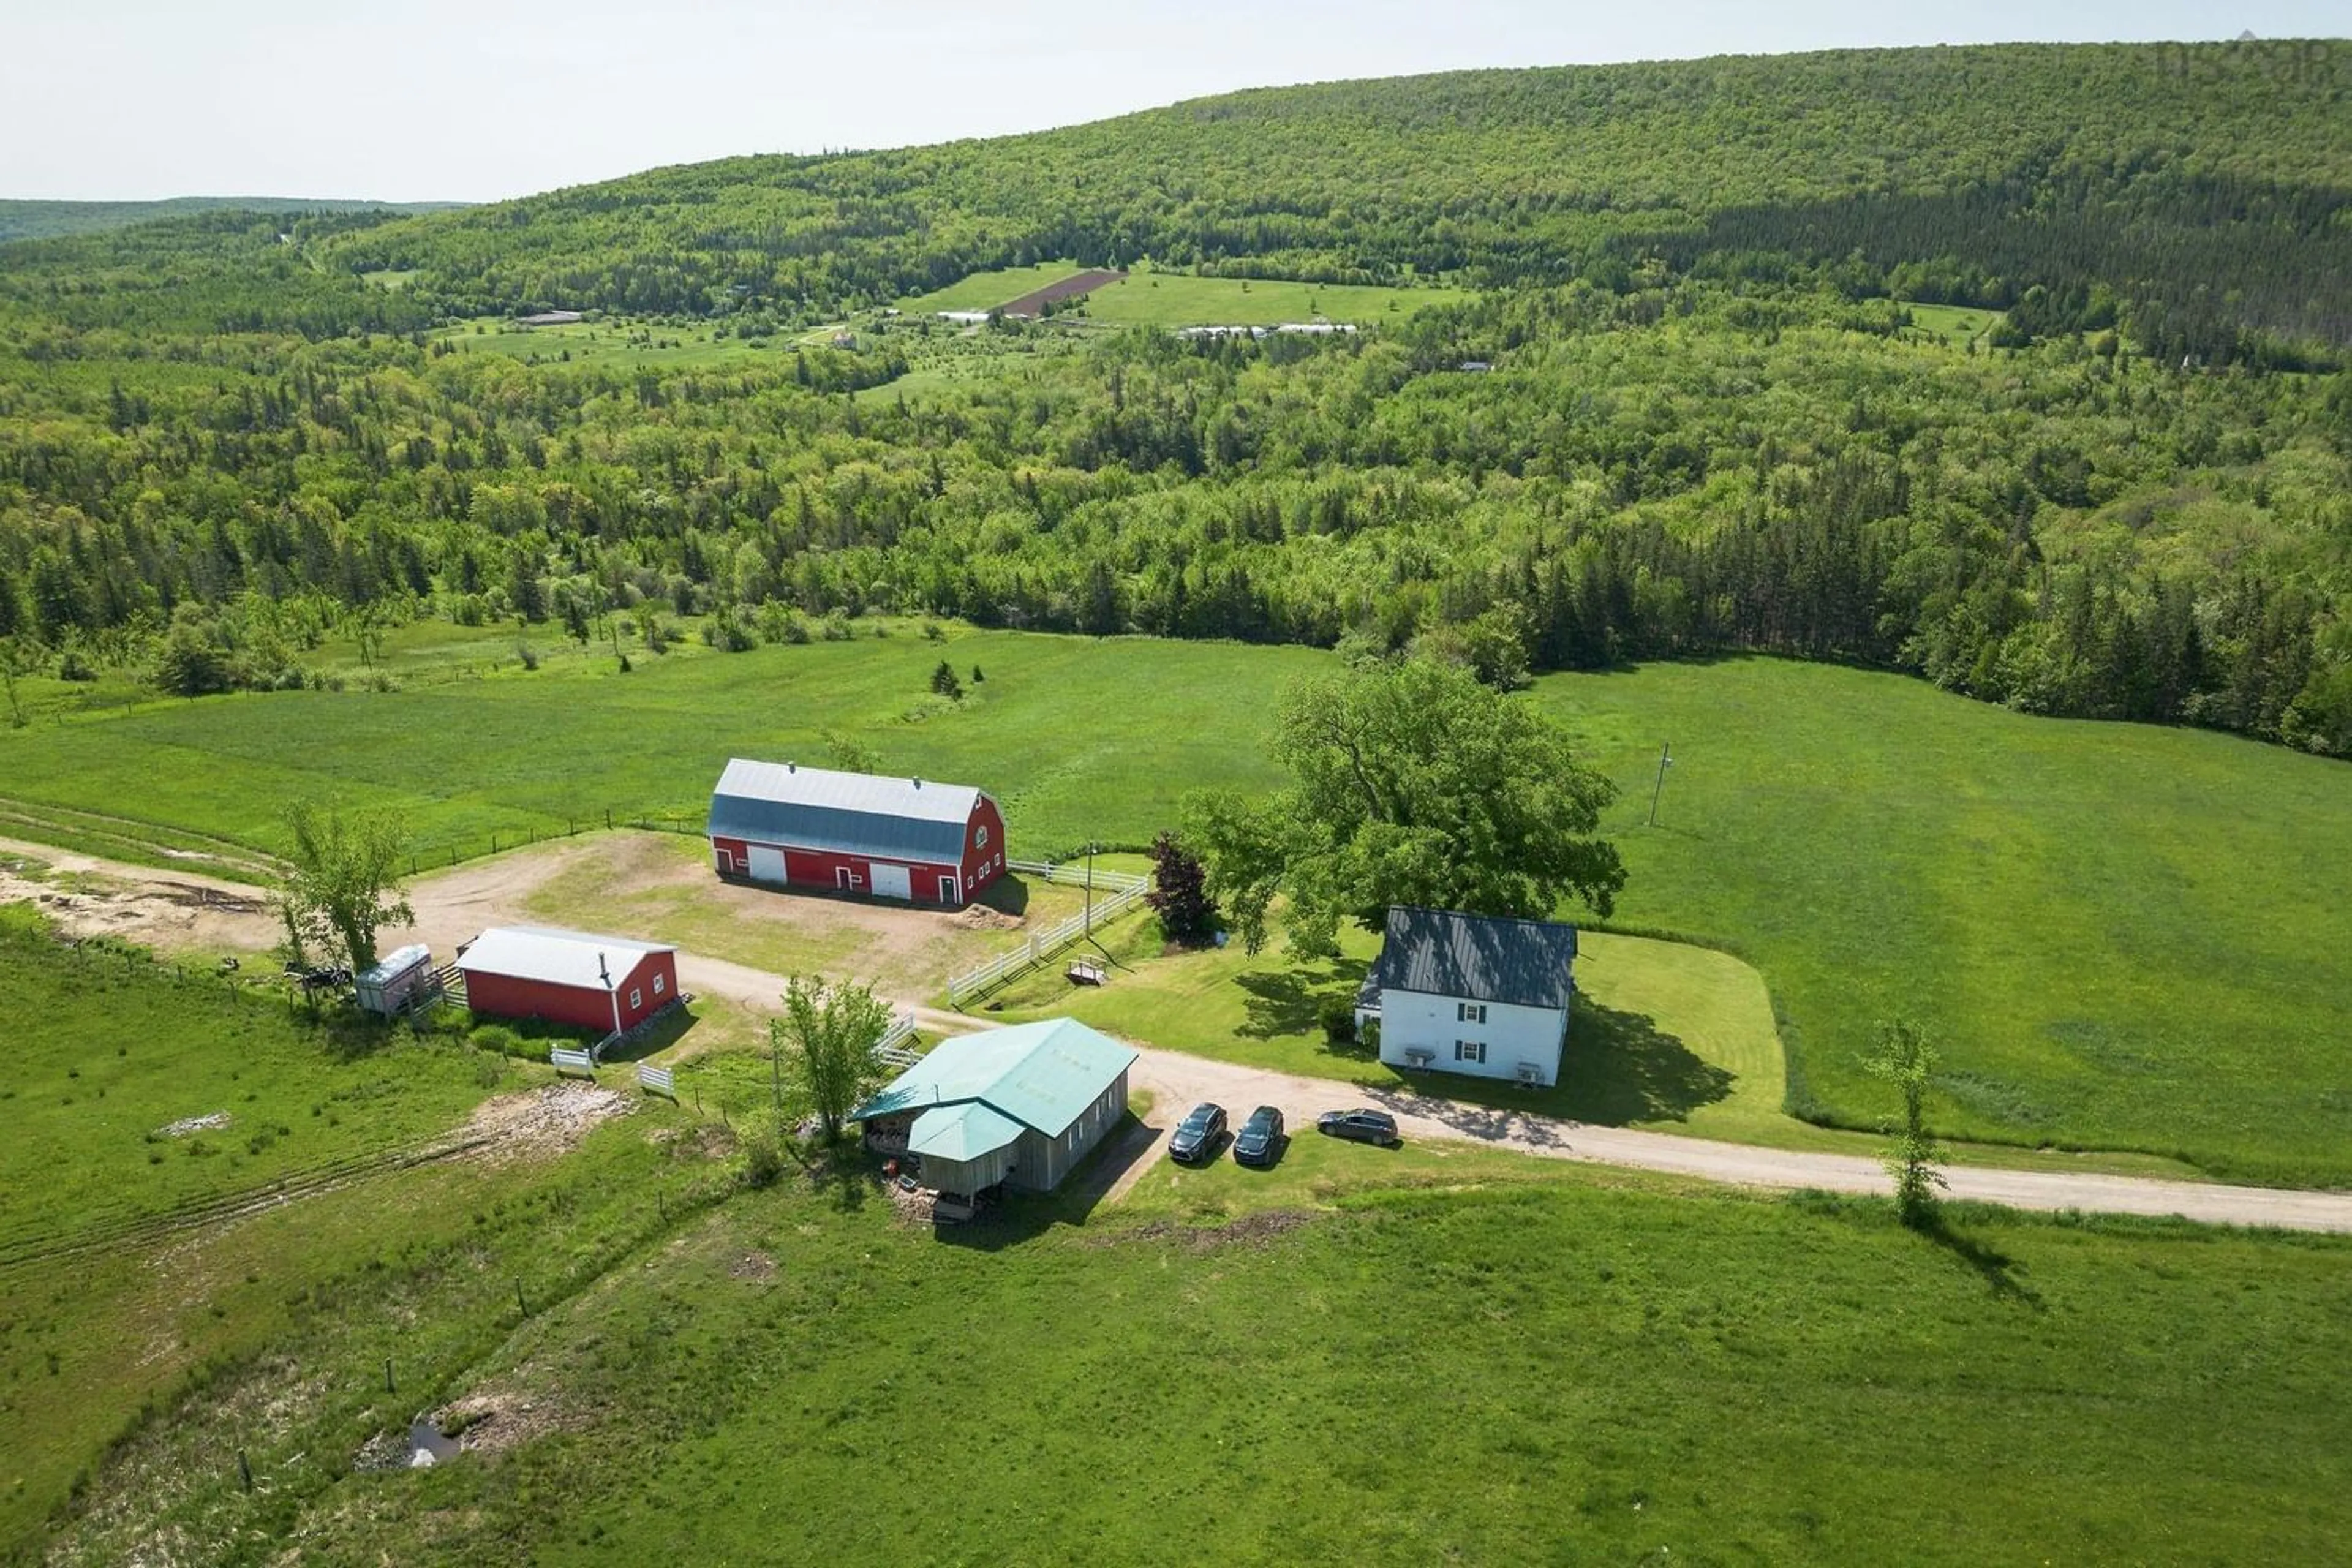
[(979, 840), (636, 997), (660, 982), (1470, 1051), (1469, 1011)]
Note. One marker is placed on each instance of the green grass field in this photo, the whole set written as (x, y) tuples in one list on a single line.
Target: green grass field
[(609, 343), (2115, 933), (111, 1292), (1147, 299), (1956, 325), (1616, 1370)]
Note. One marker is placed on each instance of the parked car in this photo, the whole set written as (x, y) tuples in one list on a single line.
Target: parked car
[(1260, 1140), (1198, 1136), (1363, 1126)]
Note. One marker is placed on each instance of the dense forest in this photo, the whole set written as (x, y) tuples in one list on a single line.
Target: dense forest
[(1715, 418), (47, 220)]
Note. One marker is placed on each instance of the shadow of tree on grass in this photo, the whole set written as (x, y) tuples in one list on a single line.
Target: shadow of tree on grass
[(1997, 1268), (1290, 1001)]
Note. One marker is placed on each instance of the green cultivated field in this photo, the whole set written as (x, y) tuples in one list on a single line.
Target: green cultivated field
[(987, 290), (2121, 937), (1172, 299), (1177, 300), (607, 342)]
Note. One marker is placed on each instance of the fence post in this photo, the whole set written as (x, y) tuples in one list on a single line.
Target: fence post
[(388, 1387)]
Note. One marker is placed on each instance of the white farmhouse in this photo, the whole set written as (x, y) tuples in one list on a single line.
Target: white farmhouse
[(1472, 994)]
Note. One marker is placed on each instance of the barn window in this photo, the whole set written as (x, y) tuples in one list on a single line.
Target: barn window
[(636, 997), (1470, 1012), (1470, 1050), (979, 840), (661, 983)]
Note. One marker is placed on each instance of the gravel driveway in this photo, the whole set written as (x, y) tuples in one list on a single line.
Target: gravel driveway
[(1178, 1081)]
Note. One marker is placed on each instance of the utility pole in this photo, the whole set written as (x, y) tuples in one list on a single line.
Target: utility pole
[(1090, 887), (1666, 760)]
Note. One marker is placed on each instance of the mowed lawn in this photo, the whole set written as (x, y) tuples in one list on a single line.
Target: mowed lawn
[(1663, 1035), (2120, 937), (1611, 1369)]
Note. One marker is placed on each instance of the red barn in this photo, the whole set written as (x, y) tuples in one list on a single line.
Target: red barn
[(568, 976), (916, 839)]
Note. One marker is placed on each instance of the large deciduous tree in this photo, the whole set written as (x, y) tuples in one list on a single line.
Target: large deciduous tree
[(1414, 784), (344, 885), (825, 1041)]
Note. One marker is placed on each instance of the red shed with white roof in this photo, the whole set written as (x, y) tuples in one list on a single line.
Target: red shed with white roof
[(577, 977), (910, 839)]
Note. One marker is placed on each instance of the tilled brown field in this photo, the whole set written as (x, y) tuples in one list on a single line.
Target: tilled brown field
[(1033, 303)]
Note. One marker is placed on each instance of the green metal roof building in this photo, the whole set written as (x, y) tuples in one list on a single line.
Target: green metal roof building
[(1020, 1106)]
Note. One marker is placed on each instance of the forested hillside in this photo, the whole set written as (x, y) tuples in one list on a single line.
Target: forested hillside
[(1731, 405), (2210, 180), (47, 220)]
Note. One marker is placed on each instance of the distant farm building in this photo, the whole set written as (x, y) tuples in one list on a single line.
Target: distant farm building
[(550, 319), (591, 982), (909, 838), (966, 318), (1017, 1107), (1478, 994)]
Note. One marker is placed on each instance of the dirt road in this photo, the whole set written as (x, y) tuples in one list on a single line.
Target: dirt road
[(1178, 1082)]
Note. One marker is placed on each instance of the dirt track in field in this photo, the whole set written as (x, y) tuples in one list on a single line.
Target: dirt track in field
[(1033, 303), (183, 910)]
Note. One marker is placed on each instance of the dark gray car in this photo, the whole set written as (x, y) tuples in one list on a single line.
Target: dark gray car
[(1260, 1140), (1198, 1136), (1363, 1126)]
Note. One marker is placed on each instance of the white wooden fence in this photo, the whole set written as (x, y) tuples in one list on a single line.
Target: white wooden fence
[(1125, 890), (657, 1081), (566, 1061), (891, 1049)]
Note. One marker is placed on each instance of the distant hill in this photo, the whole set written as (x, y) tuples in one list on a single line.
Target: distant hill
[(47, 220), (2210, 183)]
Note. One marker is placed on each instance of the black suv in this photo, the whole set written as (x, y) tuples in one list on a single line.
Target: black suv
[(1198, 1136), (1259, 1142), (1363, 1126)]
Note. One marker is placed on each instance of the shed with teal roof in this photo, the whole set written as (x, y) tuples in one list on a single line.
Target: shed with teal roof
[(1019, 1107)]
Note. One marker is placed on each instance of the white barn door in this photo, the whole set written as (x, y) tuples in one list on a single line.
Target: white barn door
[(891, 881), (767, 865)]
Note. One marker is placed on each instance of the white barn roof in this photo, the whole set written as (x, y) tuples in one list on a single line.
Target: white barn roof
[(560, 957), (857, 814)]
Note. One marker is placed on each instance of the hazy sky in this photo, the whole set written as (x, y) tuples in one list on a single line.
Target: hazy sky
[(472, 100)]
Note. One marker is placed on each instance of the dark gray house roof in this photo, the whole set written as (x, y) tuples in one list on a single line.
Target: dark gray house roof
[(854, 814), (1480, 958)]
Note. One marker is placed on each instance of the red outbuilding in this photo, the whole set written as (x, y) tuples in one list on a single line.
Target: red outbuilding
[(916, 839), (604, 983)]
